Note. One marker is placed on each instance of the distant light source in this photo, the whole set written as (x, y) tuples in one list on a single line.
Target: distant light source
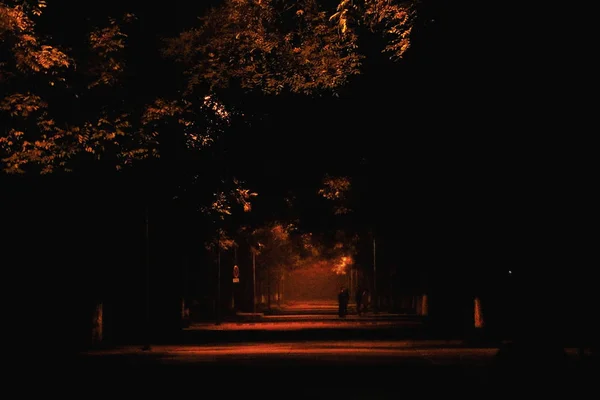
[(509, 272)]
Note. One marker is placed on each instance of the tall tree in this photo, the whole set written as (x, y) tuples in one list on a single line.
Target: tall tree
[(65, 110)]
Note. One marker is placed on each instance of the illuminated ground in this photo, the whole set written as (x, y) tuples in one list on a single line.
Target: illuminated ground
[(314, 307), (320, 356), (306, 320), (305, 328), (299, 306), (314, 324), (322, 351)]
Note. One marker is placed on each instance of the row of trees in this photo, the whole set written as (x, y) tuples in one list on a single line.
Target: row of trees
[(65, 111), (272, 46), (78, 109)]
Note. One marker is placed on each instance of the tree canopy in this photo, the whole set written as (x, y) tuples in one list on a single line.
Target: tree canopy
[(277, 45), (64, 109), (51, 109), (272, 46)]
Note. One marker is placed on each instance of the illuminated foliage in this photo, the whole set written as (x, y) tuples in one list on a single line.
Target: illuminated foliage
[(220, 208), (224, 241), (282, 247), (342, 264), (271, 45), (393, 19), (28, 52), (295, 45), (35, 76), (200, 124), (221, 205), (337, 190), (35, 137), (107, 45), (341, 255), (308, 247), (276, 245)]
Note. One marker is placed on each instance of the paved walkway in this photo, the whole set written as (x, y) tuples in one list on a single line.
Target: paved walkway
[(359, 347), (291, 323), (318, 311)]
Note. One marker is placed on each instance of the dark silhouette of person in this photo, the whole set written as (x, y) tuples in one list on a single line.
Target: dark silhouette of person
[(343, 298), (358, 298)]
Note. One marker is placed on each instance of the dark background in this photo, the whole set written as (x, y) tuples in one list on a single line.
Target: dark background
[(465, 152)]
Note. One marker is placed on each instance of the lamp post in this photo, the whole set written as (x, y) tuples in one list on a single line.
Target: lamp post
[(147, 333), (253, 281), (218, 300), (376, 297)]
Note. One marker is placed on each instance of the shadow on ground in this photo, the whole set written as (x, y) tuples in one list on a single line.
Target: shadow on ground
[(512, 370)]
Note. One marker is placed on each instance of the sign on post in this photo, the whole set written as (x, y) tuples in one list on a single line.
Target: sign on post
[(236, 274)]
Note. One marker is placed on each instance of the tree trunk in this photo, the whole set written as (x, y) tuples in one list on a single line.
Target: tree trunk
[(97, 324)]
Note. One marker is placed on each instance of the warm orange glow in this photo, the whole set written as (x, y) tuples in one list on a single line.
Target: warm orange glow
[(325, 350), (300, 326), (280, 232), (341, 265), (243, 195), (314, 281), (218, 108), (335, 188)]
